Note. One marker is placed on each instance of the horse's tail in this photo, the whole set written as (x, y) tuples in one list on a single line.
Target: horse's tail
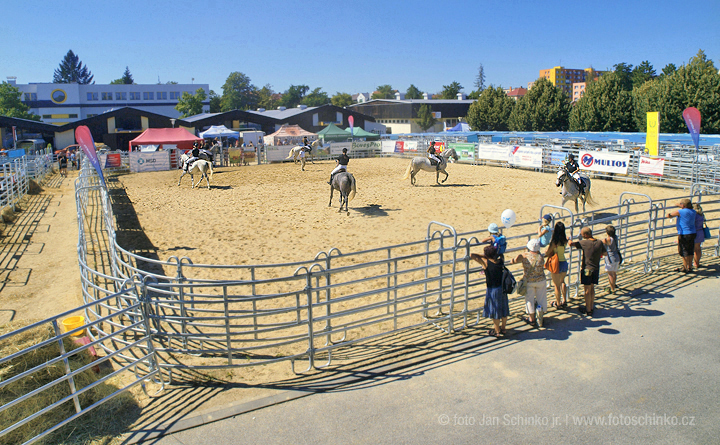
[(589, 199), (290, 155), (409, 169), (352, 188)]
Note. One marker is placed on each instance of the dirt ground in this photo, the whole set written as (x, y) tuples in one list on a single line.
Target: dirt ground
[(277, 213)]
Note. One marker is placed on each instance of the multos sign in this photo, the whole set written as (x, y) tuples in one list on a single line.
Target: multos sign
[(601, 161)]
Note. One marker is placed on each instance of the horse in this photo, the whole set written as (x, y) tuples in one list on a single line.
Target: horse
[(199, 166), (343, 182), (423, 163), (571, 191), (295, 151)]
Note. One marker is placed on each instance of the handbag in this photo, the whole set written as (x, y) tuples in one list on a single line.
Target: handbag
[(553, 264), (706, 231), (521, 287)]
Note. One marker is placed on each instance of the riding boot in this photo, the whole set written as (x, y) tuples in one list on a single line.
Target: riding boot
[(330, 181)]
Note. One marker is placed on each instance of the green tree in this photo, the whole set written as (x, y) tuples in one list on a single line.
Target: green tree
[(491, 112), (480, 80), (543, 108), (126, 78), (384, 92), (238, 93), (294, 95), (425, 117), (669, 69), (267, 98), (642, 73), (696, 84), (71, 70), (191, 104), (623, 71), (215, 102), (413, 92), (11, 105), (341, 99), (316, 98), (606, 106), (451, 91)]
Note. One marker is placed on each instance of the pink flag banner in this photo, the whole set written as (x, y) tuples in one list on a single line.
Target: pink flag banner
[(85, 139), (692, 120), (351, 120)]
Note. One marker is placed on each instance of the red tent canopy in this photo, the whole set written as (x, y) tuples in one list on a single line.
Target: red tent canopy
[(157, 136)]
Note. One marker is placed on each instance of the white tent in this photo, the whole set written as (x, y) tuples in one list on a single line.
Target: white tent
[(219, 131)]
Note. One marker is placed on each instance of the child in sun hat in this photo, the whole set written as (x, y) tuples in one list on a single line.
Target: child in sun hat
[(496, 238)]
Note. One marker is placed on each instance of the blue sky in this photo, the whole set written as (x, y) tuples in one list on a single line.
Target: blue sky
[(350, 47)]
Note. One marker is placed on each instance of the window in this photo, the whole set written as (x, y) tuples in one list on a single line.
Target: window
[(174, 95), (30, 97), (92, 96), (134, 96), (72, 116), (106, 96), (148, 95), (120, 95), (162, 95), (58, 96), (47, 116)]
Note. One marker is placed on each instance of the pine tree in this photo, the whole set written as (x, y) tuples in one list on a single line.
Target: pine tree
[(127, 77), (71, 70)]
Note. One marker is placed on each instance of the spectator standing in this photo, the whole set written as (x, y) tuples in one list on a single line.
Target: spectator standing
[(557, 245), (612, 257), (592, 251), (685, 225), (545, 232), (497, 306), (534, 275), (699, 233)]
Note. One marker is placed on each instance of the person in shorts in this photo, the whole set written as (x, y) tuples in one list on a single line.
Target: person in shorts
[(592, 251), (685, 225)]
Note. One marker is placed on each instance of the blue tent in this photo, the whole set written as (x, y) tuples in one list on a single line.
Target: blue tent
[(462, 126)]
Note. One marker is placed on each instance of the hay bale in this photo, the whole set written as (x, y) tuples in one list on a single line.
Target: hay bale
[(49, 396), (7, 214), (34, 188)]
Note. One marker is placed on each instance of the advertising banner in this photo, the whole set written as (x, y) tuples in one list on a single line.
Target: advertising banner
[(651, 166), (337, 147), (410, 146), (389, 146), (600, 161), (692, 118), (85, 139), (652, 136), (494, 152), (366, 145), (526, 156), (149, 162), (234, 155), (112, 160), (466, 152), (557, 158)]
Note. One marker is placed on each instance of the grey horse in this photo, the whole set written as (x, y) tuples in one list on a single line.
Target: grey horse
[(343, 182), (571, 191), (422, 163), (200, 166)]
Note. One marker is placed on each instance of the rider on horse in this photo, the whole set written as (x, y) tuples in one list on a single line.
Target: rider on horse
[(434, 158), (342, 162), (195, 156), (573, 169), (306, 144)]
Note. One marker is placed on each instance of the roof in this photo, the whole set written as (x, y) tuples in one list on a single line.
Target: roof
[(283, 114), (153, 136), (291, 131)]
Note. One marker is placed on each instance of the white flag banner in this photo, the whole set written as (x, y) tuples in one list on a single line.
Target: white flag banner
[(149, 161), (651, 166), (494, 152), (600, 161), (526, 156)]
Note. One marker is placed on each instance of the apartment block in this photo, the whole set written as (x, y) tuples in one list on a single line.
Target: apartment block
[(565, 78)]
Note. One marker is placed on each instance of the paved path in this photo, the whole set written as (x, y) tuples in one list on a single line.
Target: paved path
[(647, 365)]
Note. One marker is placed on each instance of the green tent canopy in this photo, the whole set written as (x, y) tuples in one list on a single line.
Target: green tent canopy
[(333, 133), (362, 134)]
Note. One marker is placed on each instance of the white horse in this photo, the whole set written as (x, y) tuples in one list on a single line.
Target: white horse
[(423, 163), (295, 151), (199, 166), (571, 191)]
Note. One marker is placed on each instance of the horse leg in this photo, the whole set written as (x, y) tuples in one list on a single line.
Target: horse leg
[(181, 176), (412, 177)]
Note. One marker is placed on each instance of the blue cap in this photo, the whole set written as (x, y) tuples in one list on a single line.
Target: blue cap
[(547, 217), (493, 228)]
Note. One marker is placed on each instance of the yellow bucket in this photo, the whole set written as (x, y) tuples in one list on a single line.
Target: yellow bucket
[(71, 323)]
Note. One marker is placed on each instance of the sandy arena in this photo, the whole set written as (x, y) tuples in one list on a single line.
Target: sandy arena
[(263, 214)]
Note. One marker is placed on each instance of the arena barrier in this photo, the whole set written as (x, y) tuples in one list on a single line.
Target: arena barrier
[(149, 317), (15, 175)]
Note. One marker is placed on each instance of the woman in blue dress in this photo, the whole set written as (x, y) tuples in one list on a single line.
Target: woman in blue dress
[(497, 306)]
